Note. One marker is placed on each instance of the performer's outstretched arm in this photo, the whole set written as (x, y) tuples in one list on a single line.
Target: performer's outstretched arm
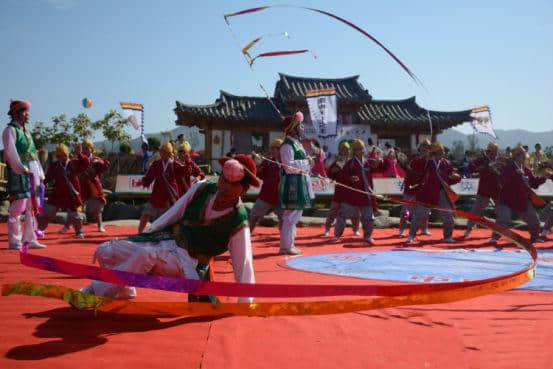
[(175, 213)]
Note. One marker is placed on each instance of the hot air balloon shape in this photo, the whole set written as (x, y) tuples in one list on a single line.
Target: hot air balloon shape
[(87, 103)]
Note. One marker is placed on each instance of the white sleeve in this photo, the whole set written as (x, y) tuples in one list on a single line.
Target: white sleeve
[(10, 152), (240, 247), (290, 165), (175, 212)]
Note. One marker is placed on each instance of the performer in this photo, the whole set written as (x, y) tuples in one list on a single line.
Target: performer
[(318, 156), (267, 200), (23, 171), (296, 192), (373, 151), (538, 161), (488, 184), (391, 167), (335, 172), (163, 174), (358, 173), (516, 194), (411, 185), (193, 173), (438, 175), (92, 192), (207, 221), (63, 174)]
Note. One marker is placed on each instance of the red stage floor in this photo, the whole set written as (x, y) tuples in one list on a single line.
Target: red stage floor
[(508, 330)]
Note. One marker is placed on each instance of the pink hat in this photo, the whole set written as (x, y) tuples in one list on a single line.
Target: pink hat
[(18, 105), (237, 168), (291, 121)]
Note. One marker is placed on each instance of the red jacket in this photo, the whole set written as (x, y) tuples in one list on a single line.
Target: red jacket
[(191, 170), (165, 193), (413, 178), (269, 172), (91, 186), (63, 195), (431, 185), (514, 191), (336, 173), (354, 168), (488, 184)]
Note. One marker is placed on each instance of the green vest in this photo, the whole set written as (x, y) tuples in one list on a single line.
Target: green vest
[(19, 184), (24, 144), (201, 237), (294, 190)]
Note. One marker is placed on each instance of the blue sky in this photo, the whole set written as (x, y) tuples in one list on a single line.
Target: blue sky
[(467, 53)]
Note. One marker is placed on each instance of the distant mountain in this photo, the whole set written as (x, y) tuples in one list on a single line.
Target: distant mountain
[(191, 134), (511, 137), (506, 138)]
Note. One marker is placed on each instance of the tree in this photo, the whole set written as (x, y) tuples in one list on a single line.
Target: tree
[(154, 143), (60, 132), (40, 134), (125, 148), (458, 150), (113, 128), (82, 127)]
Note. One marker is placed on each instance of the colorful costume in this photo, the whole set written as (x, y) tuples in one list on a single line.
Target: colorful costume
[(319, 163), (411, 185), (435, 190), (66, 190), (165, 192), (516, 195), (267, 200), (184, 238), (538, 161), (357, 202), (20, 155), (92, 192), (296, 192), (192, 171), (391, 167), (488, 184), (336, 173)]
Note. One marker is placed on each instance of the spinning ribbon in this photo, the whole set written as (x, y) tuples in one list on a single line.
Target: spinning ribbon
[(386, 295), (338, 18)]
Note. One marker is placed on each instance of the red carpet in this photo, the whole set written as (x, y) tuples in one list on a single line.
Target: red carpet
[(508, 330)]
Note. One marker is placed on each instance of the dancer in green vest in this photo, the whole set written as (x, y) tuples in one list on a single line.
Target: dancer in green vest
[(205, 222), (296, 191), (24, 170)]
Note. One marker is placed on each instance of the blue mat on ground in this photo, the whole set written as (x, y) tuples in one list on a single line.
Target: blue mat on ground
[(429, 266)]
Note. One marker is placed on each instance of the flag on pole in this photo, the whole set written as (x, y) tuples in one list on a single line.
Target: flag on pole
[(135, 114), (482, 121), (323, 112)]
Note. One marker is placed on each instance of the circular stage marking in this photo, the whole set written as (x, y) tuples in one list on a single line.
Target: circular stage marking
[(429, 266)]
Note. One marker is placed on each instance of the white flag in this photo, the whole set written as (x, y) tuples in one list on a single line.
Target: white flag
[(323, 112), (482, 121), (135, 114)]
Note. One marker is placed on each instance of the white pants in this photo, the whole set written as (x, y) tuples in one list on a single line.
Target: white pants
[(157, 258), (17, 208), (288, 231)]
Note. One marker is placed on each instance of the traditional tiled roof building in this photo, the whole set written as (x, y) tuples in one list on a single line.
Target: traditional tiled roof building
[(233, 120)]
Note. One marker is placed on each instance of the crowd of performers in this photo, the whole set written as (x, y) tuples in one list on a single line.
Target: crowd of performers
[(195, 220)]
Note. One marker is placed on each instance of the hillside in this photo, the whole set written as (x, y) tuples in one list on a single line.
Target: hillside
[(505, 138), (510, 137)]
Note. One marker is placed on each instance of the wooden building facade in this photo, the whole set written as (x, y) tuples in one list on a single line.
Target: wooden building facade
[(246, 123)]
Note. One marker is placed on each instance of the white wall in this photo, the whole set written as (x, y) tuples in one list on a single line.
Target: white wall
[(220, 149)]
